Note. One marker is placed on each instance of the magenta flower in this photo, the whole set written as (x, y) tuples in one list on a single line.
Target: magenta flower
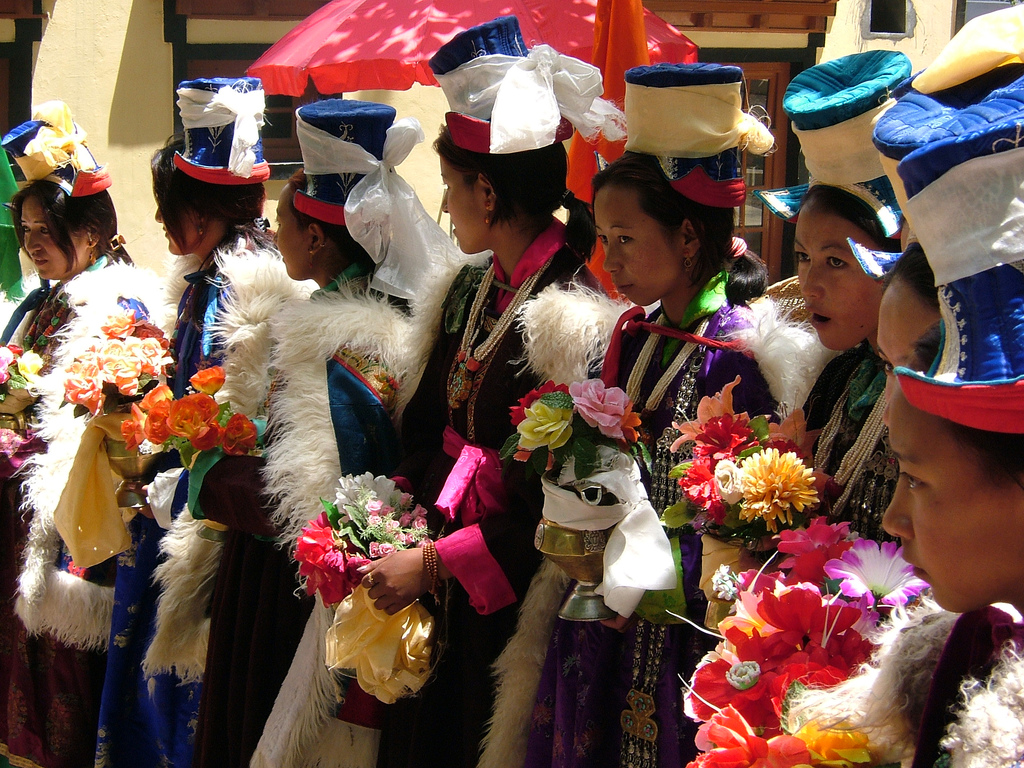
[(868, 568), (6, 358), (600, 406)]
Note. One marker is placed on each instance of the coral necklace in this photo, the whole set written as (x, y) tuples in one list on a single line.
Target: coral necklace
[(461, 380)]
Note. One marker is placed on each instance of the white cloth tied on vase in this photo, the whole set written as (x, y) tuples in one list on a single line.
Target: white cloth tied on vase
[(526, 97), (205, 109), (382, 212), (638, 555)]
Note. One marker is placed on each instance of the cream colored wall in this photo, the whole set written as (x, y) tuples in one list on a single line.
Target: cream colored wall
[(7, 31), (108, 60), (932, 30)]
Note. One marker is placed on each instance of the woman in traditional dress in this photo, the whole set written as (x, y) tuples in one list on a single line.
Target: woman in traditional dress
[(833, 107), (54, 649), (944, 686), (505, 325), (609, 695), (209, 195), (339, 362)]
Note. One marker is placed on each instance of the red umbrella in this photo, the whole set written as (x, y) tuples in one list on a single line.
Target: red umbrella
[(353, 45)]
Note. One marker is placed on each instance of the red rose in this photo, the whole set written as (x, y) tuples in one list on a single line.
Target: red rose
[(239, 435)]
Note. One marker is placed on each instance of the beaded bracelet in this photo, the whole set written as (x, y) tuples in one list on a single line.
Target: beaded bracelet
[(430, 563)]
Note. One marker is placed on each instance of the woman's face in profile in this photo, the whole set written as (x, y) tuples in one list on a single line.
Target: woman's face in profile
[(960, 519)]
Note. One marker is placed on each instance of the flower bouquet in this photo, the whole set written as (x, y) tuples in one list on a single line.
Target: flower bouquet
[(598, 524), (190, 424), (747, 478), (19, 372), (123, 366), (807, 625), (118, 369), (369, 519)]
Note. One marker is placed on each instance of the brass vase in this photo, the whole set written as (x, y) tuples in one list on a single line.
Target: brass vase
[(581, 555), (132, 467), (14, 422)]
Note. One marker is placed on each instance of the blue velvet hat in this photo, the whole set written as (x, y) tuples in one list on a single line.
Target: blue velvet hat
[(321, 126), (222, 117), (699, 155), (965, 184), (52, 146), (506, 98), (833, 107)]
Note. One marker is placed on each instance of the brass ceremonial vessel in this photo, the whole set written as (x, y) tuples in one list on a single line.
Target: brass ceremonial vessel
[(14, 422), (581, 555), (132, 467)]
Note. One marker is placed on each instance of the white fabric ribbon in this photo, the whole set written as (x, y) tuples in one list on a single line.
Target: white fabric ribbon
[(206, 109), (526, 97), (638, 555), (971, 218), (382, 212)]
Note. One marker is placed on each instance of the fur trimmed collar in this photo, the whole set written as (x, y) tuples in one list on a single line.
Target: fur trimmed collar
[(302, 459), (75, 611)]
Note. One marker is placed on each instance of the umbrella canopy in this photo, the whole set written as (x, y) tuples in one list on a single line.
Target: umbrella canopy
[(353, 45)]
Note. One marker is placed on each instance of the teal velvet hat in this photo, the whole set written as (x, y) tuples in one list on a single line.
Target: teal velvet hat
[(833, 108)]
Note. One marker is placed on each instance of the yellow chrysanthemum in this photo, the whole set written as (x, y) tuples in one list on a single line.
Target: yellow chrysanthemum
[(774, 485), (835, 749), (545, 426)]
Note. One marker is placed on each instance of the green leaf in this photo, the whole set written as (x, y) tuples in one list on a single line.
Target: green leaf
[(557, 400), (585, 454), (510, 447), (17, 381), (333, 516), (679, 470), (678, 515), (794, 690), (759, 426), (539, 461), (80, 410), (749, 452), (645, 454)]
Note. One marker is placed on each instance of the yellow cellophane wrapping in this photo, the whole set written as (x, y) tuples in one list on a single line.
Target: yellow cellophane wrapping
[(390, 654)]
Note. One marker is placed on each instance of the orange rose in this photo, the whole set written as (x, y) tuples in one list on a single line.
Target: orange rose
[(204, 441), (120, 324), (158, 394), (192, 416), (239, 435), (208, 380), (153, 356), (133, 430), (157, 431), (84, 386)]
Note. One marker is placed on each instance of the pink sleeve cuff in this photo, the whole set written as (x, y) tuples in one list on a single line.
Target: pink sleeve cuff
[(466, 555)]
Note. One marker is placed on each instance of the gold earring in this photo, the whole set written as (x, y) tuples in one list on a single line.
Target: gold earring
[(487, 219), (688, 263)]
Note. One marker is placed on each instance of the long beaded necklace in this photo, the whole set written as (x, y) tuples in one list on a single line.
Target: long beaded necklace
[(636, 375), (49, 319), (462, 379), (854, 462)]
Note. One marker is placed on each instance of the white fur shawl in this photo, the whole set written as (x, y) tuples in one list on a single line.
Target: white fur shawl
[(49, 600), (258, 287), (886, 699)]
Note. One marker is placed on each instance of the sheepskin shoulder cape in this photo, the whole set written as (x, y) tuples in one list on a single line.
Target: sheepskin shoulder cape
[(886, 699), (258, 287), (50, 600), (302, 466)]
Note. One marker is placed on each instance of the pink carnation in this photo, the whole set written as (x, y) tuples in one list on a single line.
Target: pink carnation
[(374, 506), (386, 549), (600, 406), (405, 520), (419, 523), (326, 568), (374, 520), (374, 549)]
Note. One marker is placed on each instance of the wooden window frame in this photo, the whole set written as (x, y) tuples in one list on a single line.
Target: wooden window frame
[(247, 10)]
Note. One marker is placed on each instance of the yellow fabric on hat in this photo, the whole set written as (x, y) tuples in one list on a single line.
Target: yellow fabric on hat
[(986, 42), (87, 516), (843, 153), (391, 654), (691, 121), (57, 143)]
